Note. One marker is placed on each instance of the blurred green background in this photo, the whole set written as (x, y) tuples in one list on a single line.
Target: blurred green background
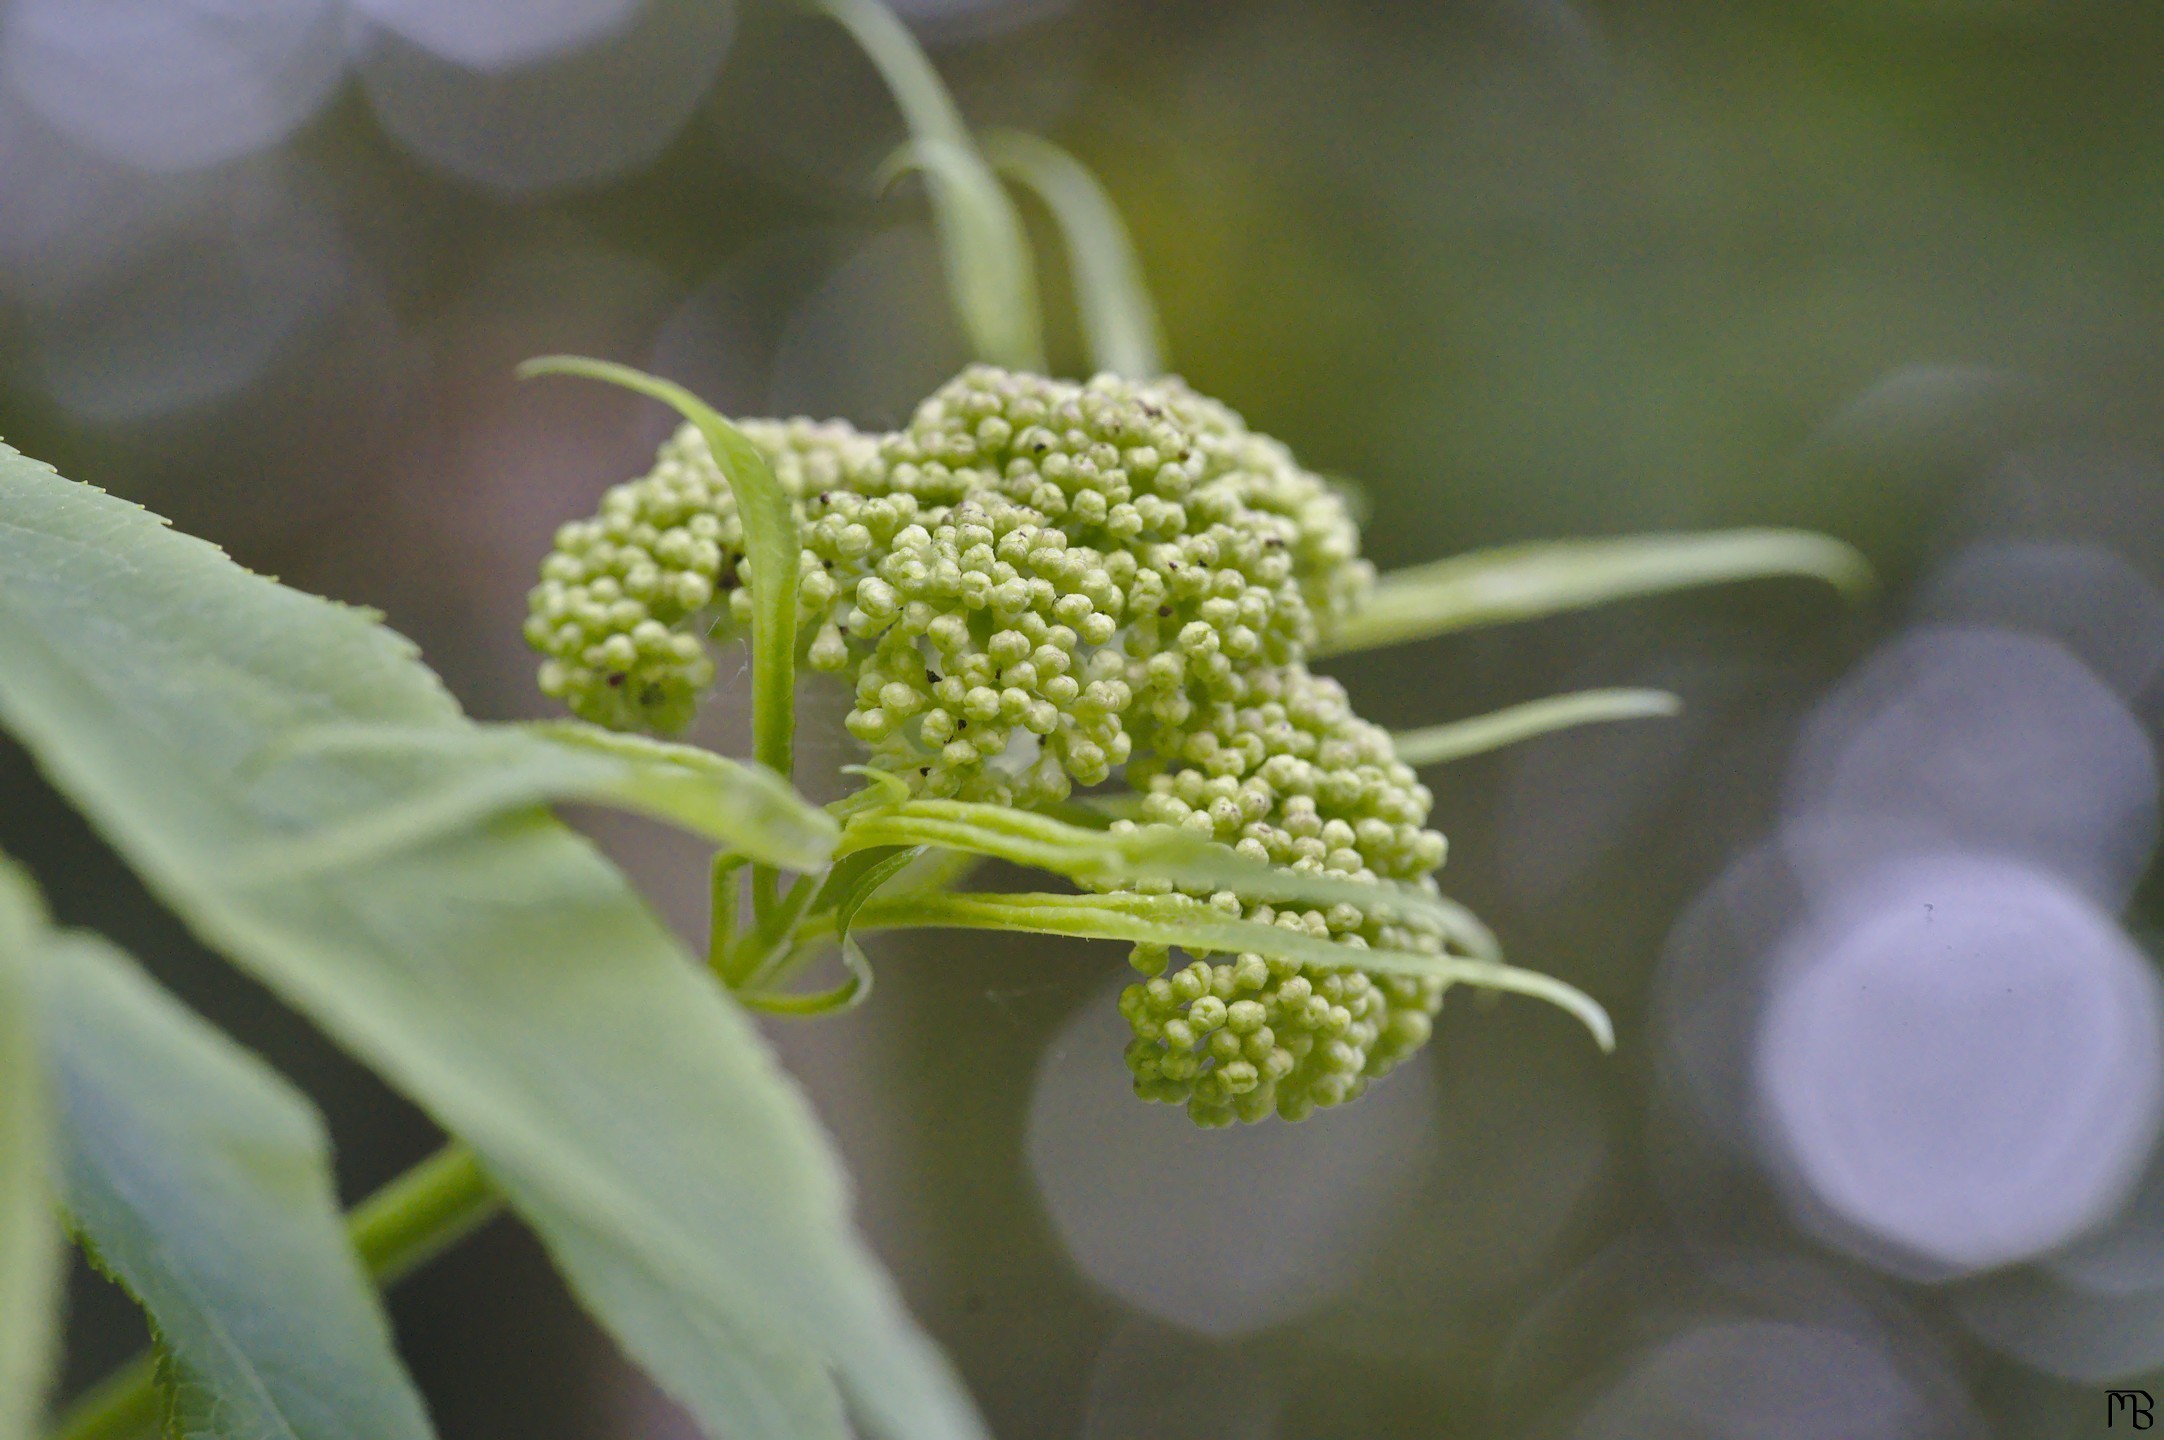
[(1893, 269)]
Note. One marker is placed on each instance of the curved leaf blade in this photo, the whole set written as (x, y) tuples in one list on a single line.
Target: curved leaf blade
[(852, 883), (770, 543), (1198, 927), (506, 977), (1143, 853), (30, 1243), (1119, 320), (982, 247), (1524, 582), (201, 1181), (500, 768), (1439, 744)]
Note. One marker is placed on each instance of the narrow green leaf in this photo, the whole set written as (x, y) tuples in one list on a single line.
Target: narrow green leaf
[(848, 873), (987, 259), (1119, 320), (202, 1183), (852, 883), (29, 1220), (1523, 582), (982, 245), (1435, 744), (1146, 853), (507, 978), (501, 768), (771, 544), (935, 869), (1199, 927)]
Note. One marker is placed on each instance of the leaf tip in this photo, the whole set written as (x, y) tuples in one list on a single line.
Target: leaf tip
[(1852, 574), (585, 367)]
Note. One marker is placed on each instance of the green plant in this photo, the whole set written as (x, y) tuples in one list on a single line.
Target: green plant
[(1036, 586)]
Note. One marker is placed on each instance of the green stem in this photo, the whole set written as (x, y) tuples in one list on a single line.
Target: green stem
[(721, 932), (423, 1213), (775, 933), (765, 894), (400, 1228), (124, 1404)]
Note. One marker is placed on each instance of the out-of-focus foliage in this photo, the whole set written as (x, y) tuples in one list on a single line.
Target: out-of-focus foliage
[(1885, 270), (29, 1223)]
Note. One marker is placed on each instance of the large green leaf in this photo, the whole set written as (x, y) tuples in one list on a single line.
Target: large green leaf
[(29, 1223), (503, 975), (747, 808), (201, 1181), (1523, 582)]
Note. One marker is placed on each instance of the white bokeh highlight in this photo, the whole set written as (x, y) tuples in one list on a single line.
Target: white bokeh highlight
[(172, 85), (1975, 739), (1759, 1379), (2092, 1312), (1960, 1066), (1152, 1383), (491, 35), (2088, 599), (565, 121), (71, 214), (1222, 1232), (199, 303)]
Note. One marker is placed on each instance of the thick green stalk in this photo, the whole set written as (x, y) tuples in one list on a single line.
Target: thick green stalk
[(423, 1213), (400, 1228)]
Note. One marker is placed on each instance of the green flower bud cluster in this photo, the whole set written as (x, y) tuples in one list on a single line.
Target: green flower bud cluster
[(1292, 777), (1083, 564), (1253, 1038), (1032, 585), (626, 598), (1018, 580)]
